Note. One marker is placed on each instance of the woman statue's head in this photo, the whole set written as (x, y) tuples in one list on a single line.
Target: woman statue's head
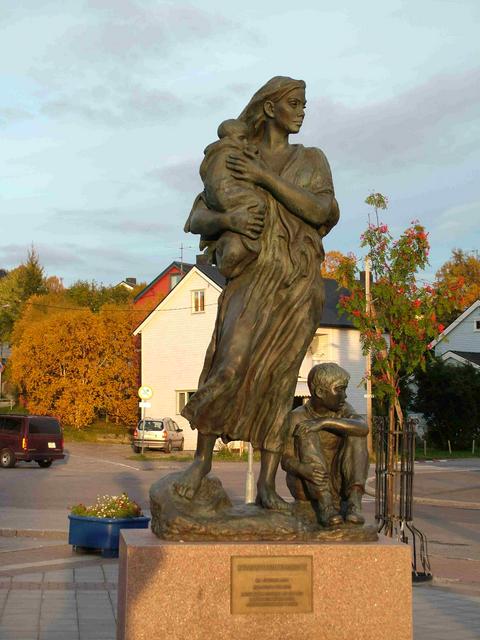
[(281, 99)]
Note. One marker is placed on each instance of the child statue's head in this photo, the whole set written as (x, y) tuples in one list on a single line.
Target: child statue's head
[(328, 385), (234, 129)]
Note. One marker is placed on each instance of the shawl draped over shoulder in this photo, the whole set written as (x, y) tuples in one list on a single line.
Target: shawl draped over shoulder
[(267, 317)]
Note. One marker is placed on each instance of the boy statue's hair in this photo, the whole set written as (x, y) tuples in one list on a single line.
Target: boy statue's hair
[(325, 374)]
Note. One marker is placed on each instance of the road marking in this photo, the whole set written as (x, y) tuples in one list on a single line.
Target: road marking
[(117, 464), (422, 470)]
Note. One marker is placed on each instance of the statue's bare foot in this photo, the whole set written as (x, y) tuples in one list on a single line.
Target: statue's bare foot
[(268, 498), (189, 483)]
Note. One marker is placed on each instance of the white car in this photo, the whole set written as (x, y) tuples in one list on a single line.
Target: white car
[(153, 433)]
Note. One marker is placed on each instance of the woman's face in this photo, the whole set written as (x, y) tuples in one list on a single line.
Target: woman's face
[(289, 111)]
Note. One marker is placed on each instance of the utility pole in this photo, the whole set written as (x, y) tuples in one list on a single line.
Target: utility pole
[(368, 360)]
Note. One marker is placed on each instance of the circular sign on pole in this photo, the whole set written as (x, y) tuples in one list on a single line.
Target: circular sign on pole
[(145, 393)]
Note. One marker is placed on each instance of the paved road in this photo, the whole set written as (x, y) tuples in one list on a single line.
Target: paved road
[(71, 596), (34, 498)]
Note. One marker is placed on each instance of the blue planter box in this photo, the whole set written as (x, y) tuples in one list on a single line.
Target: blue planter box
[(101, 533)]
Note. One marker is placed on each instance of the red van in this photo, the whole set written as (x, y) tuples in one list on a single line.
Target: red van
[(28, 438)]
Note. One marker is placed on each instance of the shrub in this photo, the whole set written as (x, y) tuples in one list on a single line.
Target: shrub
[(449, 397), (109, 507)]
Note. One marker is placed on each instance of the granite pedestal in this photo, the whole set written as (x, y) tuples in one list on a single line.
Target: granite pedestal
[(195, 590)]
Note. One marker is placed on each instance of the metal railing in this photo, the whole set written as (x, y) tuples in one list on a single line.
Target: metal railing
[(394, 472)]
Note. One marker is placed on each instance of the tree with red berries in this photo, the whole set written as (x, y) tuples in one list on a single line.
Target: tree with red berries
[(398, 322), (402, 317)]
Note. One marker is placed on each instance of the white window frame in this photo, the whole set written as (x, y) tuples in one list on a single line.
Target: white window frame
[(182, 396), (476, 324), (200, 308), (174, 279)]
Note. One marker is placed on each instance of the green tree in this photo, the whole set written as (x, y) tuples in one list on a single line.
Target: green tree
[(16, 288), (449, 398), (31, 276), (84, 293)]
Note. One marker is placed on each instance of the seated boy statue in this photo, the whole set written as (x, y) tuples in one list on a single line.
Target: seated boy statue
[(326, 456)]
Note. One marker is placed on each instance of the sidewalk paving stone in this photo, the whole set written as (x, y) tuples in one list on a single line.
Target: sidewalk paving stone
[(28, 577), (64, 606)]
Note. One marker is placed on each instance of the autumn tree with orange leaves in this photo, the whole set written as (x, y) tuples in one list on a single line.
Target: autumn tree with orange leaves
[(463, 271), (331, 266), (76, 364)]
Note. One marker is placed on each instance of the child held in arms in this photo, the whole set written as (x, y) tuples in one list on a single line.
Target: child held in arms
[(231, 252), (326, 456)]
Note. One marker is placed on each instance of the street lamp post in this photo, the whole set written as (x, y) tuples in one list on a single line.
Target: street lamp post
[(250, 480)]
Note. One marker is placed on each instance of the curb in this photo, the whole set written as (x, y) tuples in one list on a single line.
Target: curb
[(55, 534), (433, 502), (454, 504)]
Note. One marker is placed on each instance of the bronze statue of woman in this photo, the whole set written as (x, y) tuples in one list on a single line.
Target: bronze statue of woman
[(268, 314)]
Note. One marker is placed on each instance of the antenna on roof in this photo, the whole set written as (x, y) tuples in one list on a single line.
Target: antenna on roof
[(182, 247)]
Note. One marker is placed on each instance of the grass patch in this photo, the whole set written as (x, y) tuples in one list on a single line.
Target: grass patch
[(15, 409), (99, 432), (169, 457), (225, 455), (435, 454)]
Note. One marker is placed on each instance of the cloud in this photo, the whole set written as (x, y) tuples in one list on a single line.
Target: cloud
[(139, 220), (9, 115), (14, 254), (132, 29), (426, 123), (180, 176), (129, 105), (459, 220), (123, 38), (145, 227)]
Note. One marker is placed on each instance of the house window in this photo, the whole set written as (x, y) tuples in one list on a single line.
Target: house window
[(182, 398), (175, 279), (321, 347), (198, 301), (476, 324)]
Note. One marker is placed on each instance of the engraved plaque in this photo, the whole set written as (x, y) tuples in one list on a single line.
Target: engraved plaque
[(271, 584)]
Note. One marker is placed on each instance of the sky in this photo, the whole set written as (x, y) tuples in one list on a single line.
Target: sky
[(106, 107)]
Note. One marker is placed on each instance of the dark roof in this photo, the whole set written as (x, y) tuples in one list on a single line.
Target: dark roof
[(185, 266), (472, 356), (330, 317), (213, 273)]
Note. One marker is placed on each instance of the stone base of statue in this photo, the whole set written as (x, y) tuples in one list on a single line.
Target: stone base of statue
[(212, 516), (266, 590)]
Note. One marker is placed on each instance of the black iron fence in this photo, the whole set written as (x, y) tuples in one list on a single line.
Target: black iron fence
[(394, 473)]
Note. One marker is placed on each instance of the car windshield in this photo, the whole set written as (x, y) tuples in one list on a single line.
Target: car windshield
[(151, 425)]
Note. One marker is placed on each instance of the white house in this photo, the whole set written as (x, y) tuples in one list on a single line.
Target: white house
[(460, 341), (176, 334)]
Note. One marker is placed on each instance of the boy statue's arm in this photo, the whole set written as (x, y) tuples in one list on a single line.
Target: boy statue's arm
[(353, 426)]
